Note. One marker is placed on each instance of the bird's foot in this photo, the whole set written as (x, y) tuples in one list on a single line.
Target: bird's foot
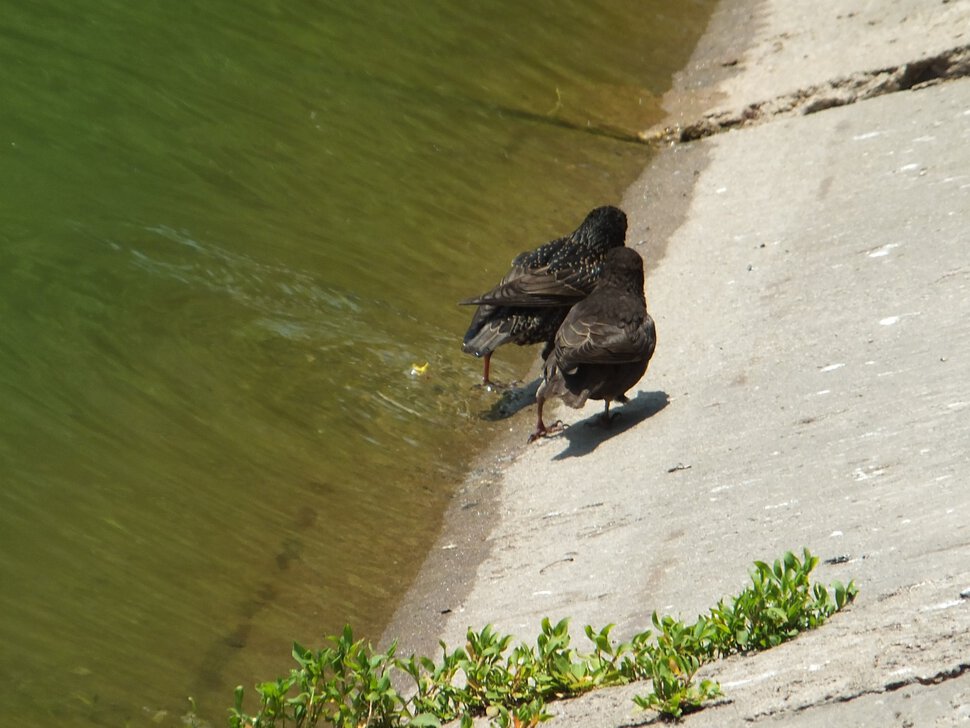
[(543, 431)]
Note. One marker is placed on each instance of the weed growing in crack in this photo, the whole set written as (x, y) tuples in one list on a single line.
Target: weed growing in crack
[(779, 603), (348, 685)]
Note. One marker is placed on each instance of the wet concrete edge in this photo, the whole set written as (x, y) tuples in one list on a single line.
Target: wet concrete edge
[(657, 204)]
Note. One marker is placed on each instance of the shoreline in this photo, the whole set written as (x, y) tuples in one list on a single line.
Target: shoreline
[(447, 574), (811, 303)]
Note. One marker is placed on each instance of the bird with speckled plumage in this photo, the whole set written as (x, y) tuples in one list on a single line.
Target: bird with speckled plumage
[(531, 302)]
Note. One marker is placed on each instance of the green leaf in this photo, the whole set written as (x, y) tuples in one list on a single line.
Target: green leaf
[(790, 561), (301, 653), (425, 720)]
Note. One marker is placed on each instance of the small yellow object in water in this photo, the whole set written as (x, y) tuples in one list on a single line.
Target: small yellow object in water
[(418, 370)]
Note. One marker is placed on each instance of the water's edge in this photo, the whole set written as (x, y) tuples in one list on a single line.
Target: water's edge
[(657, 204)]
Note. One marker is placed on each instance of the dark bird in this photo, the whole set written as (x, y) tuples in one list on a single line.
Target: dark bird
[(605, 342), (532, 300)]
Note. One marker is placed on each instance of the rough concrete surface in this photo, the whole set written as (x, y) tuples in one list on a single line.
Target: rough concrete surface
[(800, 44), (806, 57), (811, 387)]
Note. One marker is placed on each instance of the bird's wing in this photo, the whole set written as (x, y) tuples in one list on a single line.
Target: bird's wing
[(586, 339), (544, 277), (531, 289)]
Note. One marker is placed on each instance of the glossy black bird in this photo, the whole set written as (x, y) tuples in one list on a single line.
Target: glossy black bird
[(605, 342), (532, 300)]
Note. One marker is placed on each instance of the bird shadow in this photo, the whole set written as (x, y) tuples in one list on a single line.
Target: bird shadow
[(513, 399), (586, 436)]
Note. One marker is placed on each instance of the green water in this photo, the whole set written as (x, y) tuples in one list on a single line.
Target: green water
[(227, 231)]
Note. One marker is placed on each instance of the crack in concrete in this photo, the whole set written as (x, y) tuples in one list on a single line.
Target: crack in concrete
[(935, 679), (948, 65)]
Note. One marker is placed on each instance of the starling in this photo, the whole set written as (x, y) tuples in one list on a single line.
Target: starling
[(605, 342), (532, 300)]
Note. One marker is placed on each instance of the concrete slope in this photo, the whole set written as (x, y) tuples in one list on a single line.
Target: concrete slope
[(800, 44), (815, 316), (811, 387)]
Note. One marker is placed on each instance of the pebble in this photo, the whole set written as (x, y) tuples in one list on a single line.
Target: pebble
[(965, 594)]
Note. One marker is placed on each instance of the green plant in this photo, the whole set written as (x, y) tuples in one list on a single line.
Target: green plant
[(349, 685), (780, 603), (345, 683), (526, 715), (561, 671), (673, 691), (436, 693), (671, 663)]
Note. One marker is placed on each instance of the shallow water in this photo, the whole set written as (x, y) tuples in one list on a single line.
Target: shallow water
[(227, 233)]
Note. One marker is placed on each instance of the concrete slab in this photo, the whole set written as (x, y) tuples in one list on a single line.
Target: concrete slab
[(802, 44), (760, 60), (809, 389)]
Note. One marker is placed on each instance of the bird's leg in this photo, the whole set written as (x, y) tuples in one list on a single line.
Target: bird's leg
[(540, 430), (485, 368), (487, 384), (605, 419)]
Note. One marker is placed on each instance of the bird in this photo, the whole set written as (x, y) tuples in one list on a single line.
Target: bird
[(530, 303), (604, 344)]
